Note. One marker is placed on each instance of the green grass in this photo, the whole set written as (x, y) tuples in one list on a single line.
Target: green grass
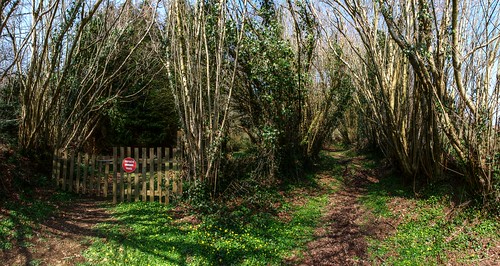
[(426, 234), (19, 218), (266, 228), (146, 235)]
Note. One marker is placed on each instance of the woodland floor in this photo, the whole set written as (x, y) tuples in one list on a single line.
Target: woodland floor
[(340, 239), (346, 224), (60, 239)]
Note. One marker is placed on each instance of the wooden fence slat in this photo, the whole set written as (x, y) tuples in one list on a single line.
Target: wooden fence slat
[(179, 140), (159, 175), (144, 166), (171, 159), (59, 165), (85, 171), (78, 171), (92, 174), (167, 188), (175, 187), (106, 175), (155, 175), (177, 156), (71, 170), (115, 173), (174, 184), (54, 167), (65, 169), (98, 175), (151, 174), (122, 187), (129, 181), (58, 171), (136, 175), (168, 167)]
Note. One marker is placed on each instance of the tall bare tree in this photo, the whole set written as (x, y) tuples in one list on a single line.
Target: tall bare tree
[(466, 105), (387, 92), (8, 11), (433, 92), (202, 79), (61, 95)]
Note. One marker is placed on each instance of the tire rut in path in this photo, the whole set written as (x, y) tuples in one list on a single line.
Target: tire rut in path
[(341, 239)]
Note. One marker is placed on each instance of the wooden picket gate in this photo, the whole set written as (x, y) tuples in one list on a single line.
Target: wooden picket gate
[(157, 176)]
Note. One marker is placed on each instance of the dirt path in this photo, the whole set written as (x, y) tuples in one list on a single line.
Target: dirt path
[(61, 239), (341, 240)]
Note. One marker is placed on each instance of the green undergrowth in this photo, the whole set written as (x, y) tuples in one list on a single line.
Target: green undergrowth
[(151, 234), (428, 230), (20, 217)]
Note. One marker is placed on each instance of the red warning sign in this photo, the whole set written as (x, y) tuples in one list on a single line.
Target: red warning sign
[(129, 165)]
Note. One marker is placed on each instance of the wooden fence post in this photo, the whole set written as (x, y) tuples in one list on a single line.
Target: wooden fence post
[(151, 174), (136, 175), (54, 167), (71, 170), (78, 172), (98, 175), (85, 173), (178, 160), (106, 176), (159, 171), (122, 187), (175, 182), (92, 174), (129, 181), (65, 169), (115, 173), (167, 175), (144, 166)]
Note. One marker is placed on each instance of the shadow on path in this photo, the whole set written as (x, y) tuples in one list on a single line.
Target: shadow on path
[(342, 238), (60, 239)]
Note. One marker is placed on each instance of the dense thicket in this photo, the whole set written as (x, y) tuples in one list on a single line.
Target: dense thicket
[(268, 81), (425, 80)]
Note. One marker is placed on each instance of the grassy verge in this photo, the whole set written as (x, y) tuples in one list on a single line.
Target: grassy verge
[(151, 234), (428, 231), (19, 218)]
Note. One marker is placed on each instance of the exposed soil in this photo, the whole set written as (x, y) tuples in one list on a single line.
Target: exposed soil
[(60, 239), (347, 224), (342, 238)]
